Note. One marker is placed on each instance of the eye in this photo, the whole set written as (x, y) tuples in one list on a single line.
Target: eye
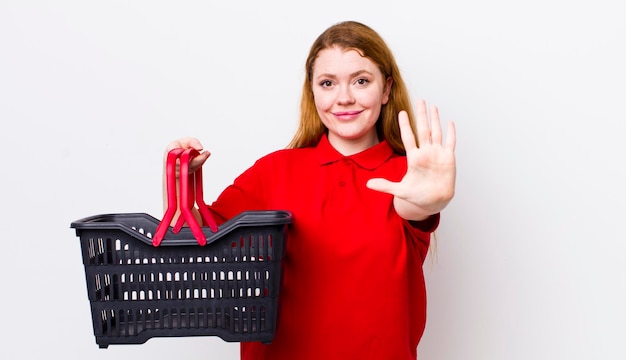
[(326, 83), (362, 81)]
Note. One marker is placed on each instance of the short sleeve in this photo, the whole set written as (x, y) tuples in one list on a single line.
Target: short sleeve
[(420, 231), (428, 225)]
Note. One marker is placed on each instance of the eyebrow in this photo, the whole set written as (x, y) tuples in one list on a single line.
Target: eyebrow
[(354, 74)]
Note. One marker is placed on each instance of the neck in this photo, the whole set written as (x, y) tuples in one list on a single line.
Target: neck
[(347, 147)]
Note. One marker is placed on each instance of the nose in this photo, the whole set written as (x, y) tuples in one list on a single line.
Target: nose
[(345, 97)]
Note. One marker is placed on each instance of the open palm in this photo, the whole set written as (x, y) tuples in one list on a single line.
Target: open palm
[(428, 185)]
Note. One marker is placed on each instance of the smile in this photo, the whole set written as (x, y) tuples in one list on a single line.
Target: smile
[(347, 115)]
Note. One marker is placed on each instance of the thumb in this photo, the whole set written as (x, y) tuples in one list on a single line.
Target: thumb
[(382, 185)]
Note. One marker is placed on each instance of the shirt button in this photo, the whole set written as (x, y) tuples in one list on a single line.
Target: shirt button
[(342, 183)]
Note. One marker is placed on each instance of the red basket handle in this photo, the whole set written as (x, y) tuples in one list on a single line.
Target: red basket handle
[(170, 178), (190, 193)]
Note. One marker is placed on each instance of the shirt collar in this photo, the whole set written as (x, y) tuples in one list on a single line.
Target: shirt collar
[(368, 159)]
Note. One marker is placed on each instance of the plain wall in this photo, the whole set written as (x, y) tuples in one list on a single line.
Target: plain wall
[(530, 253)]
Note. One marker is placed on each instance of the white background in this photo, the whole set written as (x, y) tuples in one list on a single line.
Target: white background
[(530, 253)]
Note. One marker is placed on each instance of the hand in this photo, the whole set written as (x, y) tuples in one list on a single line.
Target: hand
[(428, 185), (187, 143)]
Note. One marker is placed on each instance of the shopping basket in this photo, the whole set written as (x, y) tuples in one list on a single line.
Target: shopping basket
[(148, 279)]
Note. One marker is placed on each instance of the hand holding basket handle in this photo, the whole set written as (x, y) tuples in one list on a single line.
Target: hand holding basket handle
[(190, 194)]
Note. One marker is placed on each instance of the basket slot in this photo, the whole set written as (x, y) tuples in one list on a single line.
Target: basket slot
[(108, 249), (151, 284), (123, 322)]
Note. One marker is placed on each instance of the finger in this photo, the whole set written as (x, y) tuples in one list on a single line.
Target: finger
[(199, 160), (435, 126), (382, 185), (195, 144), (185, 143), (406, 133), (423, 128), (451, 136)]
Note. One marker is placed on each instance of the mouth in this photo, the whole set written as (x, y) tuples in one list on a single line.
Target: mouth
[(347, 115)]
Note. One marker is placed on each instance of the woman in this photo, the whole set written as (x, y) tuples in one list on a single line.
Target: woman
[(365, 199)]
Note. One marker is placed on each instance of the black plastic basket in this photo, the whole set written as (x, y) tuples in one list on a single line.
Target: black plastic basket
[(146, 278), (228, 288)]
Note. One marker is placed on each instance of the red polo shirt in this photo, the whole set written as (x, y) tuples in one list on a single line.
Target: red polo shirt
[(353, 282)]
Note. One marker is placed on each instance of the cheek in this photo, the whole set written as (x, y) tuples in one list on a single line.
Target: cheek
[(372, 100), (322, 101), (385, 99)]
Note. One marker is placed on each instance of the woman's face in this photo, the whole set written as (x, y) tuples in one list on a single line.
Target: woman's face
[(349, 91)]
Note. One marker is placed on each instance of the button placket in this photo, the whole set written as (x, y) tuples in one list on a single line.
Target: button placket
[(347, 165)]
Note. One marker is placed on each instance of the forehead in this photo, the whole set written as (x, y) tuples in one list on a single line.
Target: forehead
[(337, 61)]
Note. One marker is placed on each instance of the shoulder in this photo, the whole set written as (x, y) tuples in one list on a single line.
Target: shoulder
[(281, 165), (287, 156)]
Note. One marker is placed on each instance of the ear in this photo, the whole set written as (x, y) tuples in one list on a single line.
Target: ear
[(387, 90)]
